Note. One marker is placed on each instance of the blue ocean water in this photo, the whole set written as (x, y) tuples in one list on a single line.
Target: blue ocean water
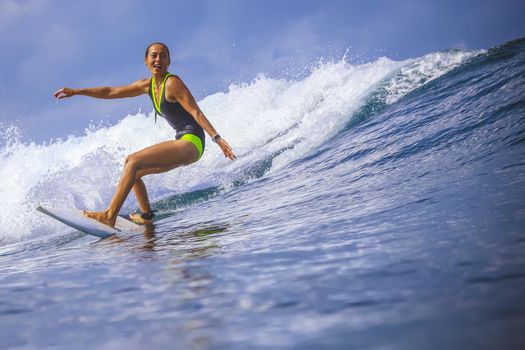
[(373, 206)]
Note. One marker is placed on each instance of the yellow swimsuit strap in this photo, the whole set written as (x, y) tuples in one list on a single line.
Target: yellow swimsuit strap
[(155, 103)]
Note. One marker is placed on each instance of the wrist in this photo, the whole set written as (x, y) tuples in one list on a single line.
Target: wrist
[(215, 137)]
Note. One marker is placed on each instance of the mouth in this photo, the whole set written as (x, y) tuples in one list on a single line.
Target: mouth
[(157, 66)]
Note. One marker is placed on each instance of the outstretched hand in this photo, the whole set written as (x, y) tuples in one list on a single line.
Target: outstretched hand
[(64, 92), (226, 148)]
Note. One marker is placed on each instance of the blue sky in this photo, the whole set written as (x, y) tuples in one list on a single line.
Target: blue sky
[(47, 44)]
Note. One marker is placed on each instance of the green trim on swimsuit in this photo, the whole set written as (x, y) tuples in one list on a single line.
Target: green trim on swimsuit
[(155, 103), (195, 140)]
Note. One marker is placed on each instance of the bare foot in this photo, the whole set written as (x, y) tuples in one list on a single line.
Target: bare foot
[(102, 216), (138, 219)]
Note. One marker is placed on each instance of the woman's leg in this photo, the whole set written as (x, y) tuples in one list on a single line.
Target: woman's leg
[(140, 188), (165, 155), (142, 195)]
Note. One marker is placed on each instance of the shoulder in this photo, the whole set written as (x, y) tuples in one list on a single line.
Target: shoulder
[(174, 81), (175, 84)]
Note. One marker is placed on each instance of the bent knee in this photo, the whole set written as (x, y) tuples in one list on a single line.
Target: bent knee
[(131, 162)]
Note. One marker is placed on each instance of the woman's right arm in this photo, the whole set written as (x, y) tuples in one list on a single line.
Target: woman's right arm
[(136, 88)]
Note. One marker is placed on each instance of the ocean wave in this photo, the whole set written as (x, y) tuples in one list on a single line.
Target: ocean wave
[(269, 122)]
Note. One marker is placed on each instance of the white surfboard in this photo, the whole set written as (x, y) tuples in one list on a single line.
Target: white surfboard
[(75, 219)]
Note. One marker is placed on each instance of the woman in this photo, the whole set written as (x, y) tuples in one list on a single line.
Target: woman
[(171, 99)]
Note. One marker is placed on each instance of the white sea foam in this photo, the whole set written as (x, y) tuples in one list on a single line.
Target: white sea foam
[(423, 70), (258, 119)]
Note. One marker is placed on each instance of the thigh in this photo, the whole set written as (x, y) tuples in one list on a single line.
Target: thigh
[(156, 170), (165, 156)]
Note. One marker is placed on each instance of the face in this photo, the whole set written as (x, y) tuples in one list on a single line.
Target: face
[(157, 60)]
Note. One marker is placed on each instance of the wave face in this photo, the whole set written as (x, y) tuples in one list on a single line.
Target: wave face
[(366, 199), (270, 122)]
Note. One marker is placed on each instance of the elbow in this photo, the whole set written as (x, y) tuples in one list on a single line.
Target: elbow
[(110, 93)]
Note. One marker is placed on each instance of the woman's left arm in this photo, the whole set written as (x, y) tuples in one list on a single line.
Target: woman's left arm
[(176, 91)]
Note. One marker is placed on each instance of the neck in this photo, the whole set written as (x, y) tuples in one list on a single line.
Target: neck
[(159, 78)]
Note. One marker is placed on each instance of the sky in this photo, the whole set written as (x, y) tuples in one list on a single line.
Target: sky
[(48, 44)]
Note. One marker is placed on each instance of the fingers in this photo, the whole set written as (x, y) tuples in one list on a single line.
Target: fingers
[(226, 149), (64, 92), (59, 93), (230, 155), (229, 152)]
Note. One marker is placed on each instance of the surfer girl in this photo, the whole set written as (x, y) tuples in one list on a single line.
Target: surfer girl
[(172, 100)]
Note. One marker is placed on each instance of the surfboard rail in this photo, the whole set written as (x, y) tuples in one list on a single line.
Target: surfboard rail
[(76, 219)]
